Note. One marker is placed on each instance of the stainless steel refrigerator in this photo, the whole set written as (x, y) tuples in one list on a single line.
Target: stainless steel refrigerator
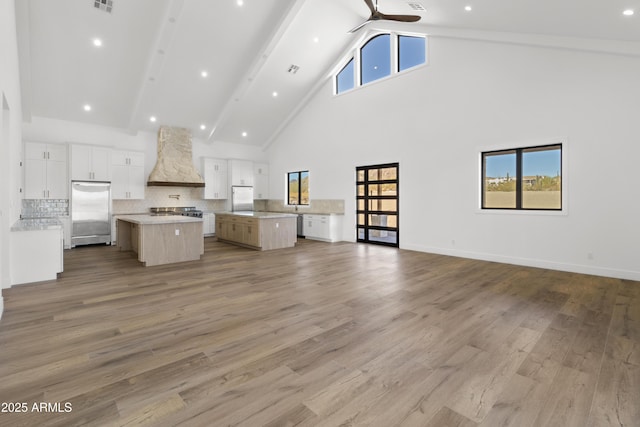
[(90, 213), (241, 198)]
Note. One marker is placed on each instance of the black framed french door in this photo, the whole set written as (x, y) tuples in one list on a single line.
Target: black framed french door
[(377, 204)]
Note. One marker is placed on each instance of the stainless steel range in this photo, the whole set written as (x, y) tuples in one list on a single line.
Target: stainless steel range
[(182, 210)]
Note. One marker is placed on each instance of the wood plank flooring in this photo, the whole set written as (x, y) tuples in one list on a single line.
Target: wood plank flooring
[(319, 335)]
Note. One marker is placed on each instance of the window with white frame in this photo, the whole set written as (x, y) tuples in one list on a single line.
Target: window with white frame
[(382, 55)]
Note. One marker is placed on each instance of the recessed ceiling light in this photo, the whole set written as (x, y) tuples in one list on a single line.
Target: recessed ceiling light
[(239, 2), (467, 8), (87, 107), (203, 127), (628, 12), (316, 39), (204, 73), (97, 42), (244, 134), (152, 119), (275, 94)]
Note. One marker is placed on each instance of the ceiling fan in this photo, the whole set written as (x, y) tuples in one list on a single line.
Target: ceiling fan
[(376, 16)]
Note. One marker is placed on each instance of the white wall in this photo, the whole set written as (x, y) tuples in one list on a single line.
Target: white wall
[(10, 136), (473, 95), (51, 130)]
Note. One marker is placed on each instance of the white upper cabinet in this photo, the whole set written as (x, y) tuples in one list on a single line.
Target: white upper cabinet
[(241, 172), (260, 181), (127, 181), (90, 163), (45, 171), (215, 178)]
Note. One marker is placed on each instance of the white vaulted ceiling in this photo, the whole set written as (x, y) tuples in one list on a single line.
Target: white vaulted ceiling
[(153, 53)]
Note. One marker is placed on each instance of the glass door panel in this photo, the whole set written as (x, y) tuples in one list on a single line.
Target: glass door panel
[(377, 204)]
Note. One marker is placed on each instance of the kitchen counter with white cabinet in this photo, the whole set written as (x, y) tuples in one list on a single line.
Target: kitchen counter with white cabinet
[(36, 250), (256, 214), (146, 219), (257, 230), (31, 224), (325, 227), (160, 239)]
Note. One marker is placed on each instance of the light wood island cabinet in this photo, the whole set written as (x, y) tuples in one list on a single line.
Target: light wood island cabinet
[(161, 239), (257, 230)]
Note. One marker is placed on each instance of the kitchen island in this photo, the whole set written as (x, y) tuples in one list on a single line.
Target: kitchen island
[(160, 239), (257, 230)]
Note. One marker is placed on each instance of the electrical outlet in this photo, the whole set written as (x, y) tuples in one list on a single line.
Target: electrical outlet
[(177, 232), (590, 256), (277, 225)]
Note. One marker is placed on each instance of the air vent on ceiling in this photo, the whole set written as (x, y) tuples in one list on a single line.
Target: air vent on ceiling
[(293, 69), (106, 5), (416, 6)]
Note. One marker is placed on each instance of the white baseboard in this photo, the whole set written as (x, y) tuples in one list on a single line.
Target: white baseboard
[(528, 262)]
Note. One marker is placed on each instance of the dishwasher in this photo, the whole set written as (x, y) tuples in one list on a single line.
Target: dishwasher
[(300, 226)]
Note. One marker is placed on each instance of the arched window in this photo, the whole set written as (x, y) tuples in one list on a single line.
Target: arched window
[(382, 55), (375, 59)]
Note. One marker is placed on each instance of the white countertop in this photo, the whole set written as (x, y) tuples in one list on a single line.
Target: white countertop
[(31, 224), (253, 214), (157, 219)]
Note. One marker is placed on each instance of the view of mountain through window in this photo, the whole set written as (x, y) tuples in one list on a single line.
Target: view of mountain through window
[(298, 188)]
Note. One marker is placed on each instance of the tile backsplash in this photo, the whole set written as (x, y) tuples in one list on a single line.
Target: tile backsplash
[(317, 206), (168, 197), (44, 208)]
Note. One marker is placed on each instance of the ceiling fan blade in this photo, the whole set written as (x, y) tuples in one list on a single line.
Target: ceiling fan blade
[(376, 16), (354, 29), (370, 5), (401, 18)]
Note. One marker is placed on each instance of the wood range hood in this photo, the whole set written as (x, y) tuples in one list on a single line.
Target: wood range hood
[(174, 167)]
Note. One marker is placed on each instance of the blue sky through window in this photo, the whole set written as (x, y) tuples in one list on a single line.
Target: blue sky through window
[(376, 58), (345, 79), (412, 52), (500, 165), (543, 163)]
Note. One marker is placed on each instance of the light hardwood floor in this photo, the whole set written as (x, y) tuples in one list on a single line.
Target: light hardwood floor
[(320, 335)]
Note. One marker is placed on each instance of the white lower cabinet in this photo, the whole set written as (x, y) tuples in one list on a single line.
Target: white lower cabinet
[(322, 227), (43, 247)]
